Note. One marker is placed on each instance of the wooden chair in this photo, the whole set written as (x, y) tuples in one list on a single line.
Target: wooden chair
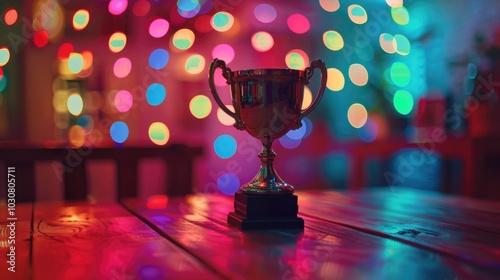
[(179, 160)]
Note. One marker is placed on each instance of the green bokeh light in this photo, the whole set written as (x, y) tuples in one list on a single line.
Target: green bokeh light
[(400, 74), (403, 102)]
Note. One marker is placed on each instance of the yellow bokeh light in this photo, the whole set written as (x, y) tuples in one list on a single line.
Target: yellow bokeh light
[(222, 21), (335, 80), (4, 56), (88, 59), (394, 3), (59, 101), (195, 64), (224, 118), (297, 59), (117, 42), (357, 14), (329, 5), (200, 106), (183, 39), (357, 115), (75, 104), (308, 97), (81, 19), (333, 40), (400, 15), (76, 135), (358, 74), (159, 133), (262, 41)]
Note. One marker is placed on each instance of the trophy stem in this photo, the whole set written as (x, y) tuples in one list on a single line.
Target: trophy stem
[(267, 180)]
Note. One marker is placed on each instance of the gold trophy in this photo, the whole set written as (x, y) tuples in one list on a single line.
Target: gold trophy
[(267, 104)]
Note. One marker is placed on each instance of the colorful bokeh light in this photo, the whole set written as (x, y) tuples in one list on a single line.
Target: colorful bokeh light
[(64, 51), (123, 101), (400, 74), (116, 7), (298, 23), (262, 41), (159, 133), (329, 5), (307, 99), (4, 56), (155, 94), (81, 19), (224, 52), (141, 8), (195, 64), (10, 16), (225, 146), (75, 104), (88, 59), (358, 74), (41, 38), (76, 135), (400, 15), (200, 106), (119, 131), (335, 80), (117, 42), (224, 118), (403, 102), (75, 63), (183, 39), (228, 183), (333, 40), (369, 132), (265, 13), (357, 14), (401, 44), (222, 21), (357, 115), (122, 67), (289, 143), (394, 3), (3, 83), (297, 59), (158, 59), (297, 133), (387, 43), (158, 28)]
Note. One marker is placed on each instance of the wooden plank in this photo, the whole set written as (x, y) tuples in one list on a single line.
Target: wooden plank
[(81, 241), (468, 244), (324, 250), (23, 213)]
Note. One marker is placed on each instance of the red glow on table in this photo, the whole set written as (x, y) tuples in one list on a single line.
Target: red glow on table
[(41, 39), (157, 202)]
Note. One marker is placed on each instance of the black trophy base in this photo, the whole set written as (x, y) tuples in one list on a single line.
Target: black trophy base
[(260, 211)]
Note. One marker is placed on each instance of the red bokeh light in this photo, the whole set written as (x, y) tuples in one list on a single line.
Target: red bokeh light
[(298, 23), (10, 17), (141, 8), (202, 24), (41, 38), (64, 51)]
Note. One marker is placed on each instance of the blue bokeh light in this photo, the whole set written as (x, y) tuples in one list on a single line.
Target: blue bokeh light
[(228, 183), (119, 131), (155, 94), (225, 146), (290, 143), (158, 59)]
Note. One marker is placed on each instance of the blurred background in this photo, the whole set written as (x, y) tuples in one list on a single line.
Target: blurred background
[(411, 86)]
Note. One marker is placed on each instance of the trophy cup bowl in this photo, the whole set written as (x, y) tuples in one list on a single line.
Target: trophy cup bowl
[(267, 104)]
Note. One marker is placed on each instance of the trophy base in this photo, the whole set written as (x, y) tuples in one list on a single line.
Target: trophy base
[(257, 211)]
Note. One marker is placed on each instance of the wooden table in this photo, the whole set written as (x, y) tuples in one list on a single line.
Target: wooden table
[(374, 234)]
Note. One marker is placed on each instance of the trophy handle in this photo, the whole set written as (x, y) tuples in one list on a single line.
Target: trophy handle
[(318, 63), (226, 73)]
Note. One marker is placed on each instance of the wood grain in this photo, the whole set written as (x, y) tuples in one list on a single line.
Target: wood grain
[(418, 223), (82, 241), (324, 250)]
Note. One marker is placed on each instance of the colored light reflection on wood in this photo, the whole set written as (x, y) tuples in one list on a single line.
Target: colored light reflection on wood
[(159, 133), (157, 202)]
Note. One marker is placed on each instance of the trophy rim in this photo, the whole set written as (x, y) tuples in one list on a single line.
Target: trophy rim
[(266, 72)]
